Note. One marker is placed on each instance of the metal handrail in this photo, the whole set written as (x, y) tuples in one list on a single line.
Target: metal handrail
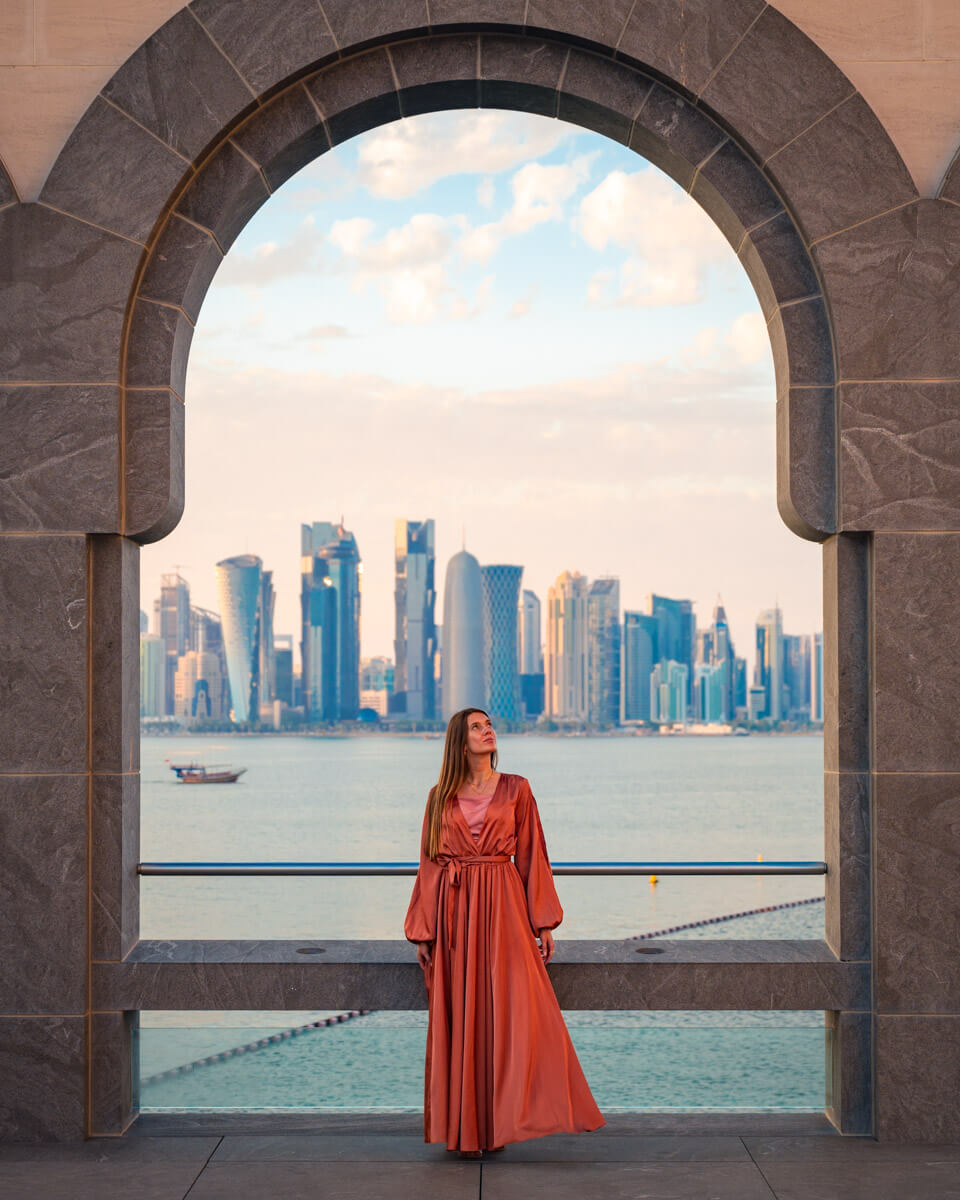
[(409, 868)]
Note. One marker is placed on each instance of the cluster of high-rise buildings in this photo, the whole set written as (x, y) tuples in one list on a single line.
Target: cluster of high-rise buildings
[(578, 659), (198, 665)]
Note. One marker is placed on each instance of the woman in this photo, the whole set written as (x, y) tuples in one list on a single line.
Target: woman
[(500, 1066)]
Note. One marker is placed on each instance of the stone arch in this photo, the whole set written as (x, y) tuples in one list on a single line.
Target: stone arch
[(447, 71), (230, 97)]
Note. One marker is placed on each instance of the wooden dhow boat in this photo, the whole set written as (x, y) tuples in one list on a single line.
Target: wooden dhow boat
[(196, 773)]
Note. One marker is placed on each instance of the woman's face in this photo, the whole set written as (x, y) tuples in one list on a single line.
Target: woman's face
[(481, 738)]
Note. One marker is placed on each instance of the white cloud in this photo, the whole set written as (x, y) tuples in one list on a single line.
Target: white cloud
[(411, 265), (407, 266), (424, 239), (486, 192), (670, 241), (349, 234), (538, 195), (416, 295), (408, 156)]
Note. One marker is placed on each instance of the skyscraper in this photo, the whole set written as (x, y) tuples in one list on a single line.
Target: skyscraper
[(565, 659), (710, 691), (530, 655), (678, 632), (796, 675), (603, 652), (238, 584), (152, 676), (415, 643), (283, 660), (318, 641), (740, 689), (715, 650), (206, 635), (330, 587), (463, 682), (173, 625), (199, 686), (499, 596), (268, 662), (668, 693), (641, 653), (816, 676), (768, 669), (529, 648)]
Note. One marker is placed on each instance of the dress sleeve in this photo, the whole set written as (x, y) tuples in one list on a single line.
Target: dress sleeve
[(420, 924), (543, 903)]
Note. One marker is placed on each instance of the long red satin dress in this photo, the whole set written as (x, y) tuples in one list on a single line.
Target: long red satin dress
[(500, 1065)]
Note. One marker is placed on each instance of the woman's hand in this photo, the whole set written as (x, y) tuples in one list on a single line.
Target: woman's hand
[(546, 945), (424, 957)]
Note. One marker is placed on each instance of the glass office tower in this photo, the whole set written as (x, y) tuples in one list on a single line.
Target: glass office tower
[(330, 587), (641, 653), (499, 597), (415, 643), (678, 633), (603, 652), (173, 626)]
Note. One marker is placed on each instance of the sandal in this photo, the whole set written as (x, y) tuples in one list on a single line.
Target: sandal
[(471, 1153)]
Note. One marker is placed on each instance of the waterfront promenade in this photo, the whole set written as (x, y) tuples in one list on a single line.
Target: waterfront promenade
[(670, 1157)]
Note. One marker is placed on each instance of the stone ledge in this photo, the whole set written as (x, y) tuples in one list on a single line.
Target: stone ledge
[(689, 974)]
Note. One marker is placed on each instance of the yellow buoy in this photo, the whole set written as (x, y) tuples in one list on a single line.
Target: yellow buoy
[(654, 879)]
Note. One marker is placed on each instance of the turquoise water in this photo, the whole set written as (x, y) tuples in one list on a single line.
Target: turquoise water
[(633, 1061), (599, 798)]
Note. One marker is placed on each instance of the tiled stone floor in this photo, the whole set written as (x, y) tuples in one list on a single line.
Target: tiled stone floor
[(369, 1158)]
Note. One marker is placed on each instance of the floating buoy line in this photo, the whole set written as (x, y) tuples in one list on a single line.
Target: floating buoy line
[(282, 1035), (749, 912)]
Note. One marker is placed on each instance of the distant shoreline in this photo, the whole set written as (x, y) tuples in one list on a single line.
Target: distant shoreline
[(430, 735)]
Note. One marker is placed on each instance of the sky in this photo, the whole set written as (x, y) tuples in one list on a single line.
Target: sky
[(518, 328)]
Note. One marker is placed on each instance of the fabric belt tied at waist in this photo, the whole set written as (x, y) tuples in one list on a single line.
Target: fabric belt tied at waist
[(453, 865)]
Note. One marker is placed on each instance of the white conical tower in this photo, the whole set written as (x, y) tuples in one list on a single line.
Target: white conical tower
[(462, 635)]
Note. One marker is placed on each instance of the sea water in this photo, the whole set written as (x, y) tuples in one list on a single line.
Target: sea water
[(600, 799)]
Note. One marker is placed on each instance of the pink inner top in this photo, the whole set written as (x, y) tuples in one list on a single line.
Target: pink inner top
[(474, 810)]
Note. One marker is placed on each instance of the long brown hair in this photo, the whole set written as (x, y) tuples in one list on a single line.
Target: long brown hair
[(453, 772)]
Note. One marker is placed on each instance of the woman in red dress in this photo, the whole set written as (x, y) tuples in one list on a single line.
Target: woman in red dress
[(500, 1065)]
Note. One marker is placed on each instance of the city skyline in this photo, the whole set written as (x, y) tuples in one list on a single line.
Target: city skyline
[(601, 661)]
